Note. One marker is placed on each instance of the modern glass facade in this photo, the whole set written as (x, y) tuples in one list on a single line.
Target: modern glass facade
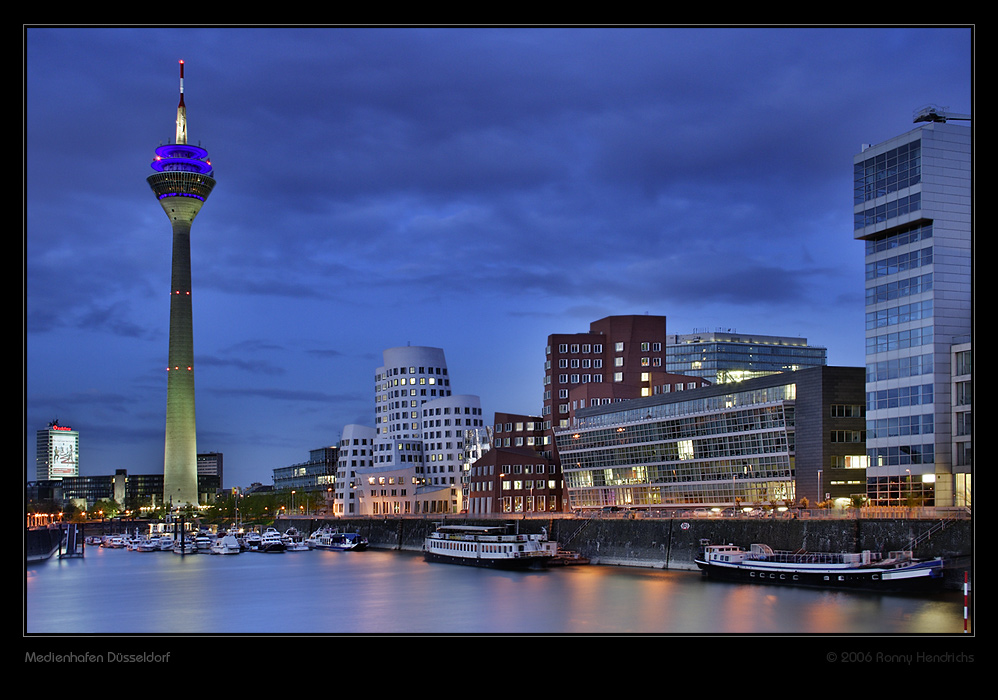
[(912, 209), (317, 474), (764, 442), (721, 450), (721, 358)]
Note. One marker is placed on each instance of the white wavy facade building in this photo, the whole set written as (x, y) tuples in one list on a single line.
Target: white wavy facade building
[(413, 459)]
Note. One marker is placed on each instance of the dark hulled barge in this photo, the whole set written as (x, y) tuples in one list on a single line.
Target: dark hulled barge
[(898, 571)]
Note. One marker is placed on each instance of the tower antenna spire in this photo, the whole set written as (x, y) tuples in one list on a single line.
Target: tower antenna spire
[(181, 111)]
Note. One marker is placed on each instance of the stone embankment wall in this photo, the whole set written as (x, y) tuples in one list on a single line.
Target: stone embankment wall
[(40, 543), (672, 543)]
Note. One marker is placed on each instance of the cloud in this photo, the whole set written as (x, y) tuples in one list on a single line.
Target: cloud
[(467, 188)]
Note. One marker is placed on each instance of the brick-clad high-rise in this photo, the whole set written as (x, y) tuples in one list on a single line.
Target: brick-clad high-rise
[(622, 351)]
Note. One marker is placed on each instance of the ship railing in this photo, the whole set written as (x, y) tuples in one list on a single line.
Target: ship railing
[(799, 557)]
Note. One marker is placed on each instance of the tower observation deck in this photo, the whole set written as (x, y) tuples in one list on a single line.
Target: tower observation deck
[(182, 182)]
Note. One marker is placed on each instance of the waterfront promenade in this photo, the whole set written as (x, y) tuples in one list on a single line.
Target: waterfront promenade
[(673, 542), (651, 540)]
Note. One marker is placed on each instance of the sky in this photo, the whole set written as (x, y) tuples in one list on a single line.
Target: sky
[(472, 189)]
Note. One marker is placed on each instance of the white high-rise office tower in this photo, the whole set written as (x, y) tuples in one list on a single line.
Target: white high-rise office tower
[(913, 211)]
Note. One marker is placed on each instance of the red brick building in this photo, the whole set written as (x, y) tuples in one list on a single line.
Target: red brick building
[(518, 474), (619, 351), (618, 358)]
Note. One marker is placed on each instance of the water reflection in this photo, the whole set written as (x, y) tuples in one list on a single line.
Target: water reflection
[(378, 592)]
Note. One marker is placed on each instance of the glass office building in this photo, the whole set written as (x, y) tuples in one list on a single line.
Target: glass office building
[(913, 212), (723, 357), (768, 441)]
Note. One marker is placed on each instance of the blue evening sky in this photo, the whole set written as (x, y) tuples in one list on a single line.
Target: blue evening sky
[(473, 189)]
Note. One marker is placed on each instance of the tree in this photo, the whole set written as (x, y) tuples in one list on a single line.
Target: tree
[(106, 507)]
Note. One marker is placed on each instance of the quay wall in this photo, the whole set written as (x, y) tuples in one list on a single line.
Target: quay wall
[(672, 543), (40, 543)]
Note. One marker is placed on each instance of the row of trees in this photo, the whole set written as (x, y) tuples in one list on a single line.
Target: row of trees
[(263, 508), (256, 508)]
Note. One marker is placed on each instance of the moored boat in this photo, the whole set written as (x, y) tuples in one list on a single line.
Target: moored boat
[(338, 541), (294, 541), (147, 545), (251, 540), (897, 571), (567, 558), (226, 544), (271, 541), (203, 541), (491, 547), (184, 545)]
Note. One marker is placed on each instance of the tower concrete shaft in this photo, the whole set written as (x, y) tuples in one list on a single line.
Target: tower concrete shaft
[(182, 183)]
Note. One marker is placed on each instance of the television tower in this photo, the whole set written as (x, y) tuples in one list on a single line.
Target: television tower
[(182, 182)]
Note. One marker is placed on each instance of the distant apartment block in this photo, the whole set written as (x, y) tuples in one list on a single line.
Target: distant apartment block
[(211, 464)]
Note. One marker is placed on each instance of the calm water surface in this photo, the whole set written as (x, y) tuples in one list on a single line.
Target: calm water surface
[(381, 592)]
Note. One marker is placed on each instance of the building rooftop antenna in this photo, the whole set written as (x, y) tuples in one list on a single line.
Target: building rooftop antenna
[(934, 113)]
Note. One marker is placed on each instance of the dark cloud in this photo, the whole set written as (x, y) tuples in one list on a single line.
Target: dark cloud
[(471, 189)]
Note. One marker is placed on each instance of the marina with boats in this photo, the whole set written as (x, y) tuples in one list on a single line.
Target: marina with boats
[(233, 540), (660, 543)]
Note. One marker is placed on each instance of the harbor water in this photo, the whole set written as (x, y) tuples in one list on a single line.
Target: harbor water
[(379, 592)]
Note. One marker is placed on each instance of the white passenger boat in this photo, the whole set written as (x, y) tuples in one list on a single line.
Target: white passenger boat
[(486, 546), (865, 570)]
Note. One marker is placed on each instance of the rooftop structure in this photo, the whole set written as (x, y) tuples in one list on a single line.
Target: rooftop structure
[(726, 356)]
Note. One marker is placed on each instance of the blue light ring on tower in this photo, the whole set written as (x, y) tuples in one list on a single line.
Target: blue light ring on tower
[(182, 157)]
